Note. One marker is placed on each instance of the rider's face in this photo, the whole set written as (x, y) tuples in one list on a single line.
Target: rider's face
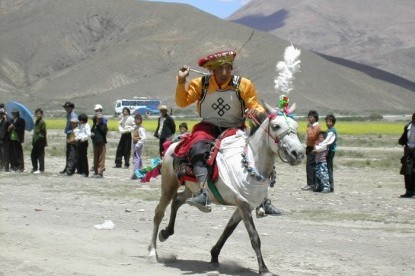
[(222, 73)]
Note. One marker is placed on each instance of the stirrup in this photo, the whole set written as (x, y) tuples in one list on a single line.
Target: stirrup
[(206, 207)]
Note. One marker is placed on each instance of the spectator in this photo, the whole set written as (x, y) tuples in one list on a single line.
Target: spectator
[(139, 135), (331, 143), (313, 129), (70, 114), (82, 134), (39, 142), (408, 160), (183, 130), (72, 149), (98, 109), (4, 139), (322, 174), (17, 132), (99, 139), (166, 128), (126, 125)]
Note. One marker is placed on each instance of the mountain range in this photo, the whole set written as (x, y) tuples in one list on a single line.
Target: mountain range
[(97, 51), (374, 33)]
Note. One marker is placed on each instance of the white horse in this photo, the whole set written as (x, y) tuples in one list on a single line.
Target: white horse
[(277, 135)]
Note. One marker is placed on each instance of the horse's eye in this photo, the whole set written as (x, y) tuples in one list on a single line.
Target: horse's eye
[(275, 127)]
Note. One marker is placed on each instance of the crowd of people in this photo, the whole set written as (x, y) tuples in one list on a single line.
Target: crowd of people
[(208, 94)]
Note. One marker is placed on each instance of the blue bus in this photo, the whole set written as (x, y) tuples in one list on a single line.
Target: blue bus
[(143, 106)]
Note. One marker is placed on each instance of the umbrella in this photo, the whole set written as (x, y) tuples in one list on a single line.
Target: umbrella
[(24, 113)]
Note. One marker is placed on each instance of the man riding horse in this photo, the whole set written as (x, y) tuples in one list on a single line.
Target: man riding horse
[(222, 99)]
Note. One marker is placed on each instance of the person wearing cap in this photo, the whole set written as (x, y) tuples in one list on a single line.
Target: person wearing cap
[(126, 126), (4, 139), (70, 114), (166, 128), (98, 109), (16, 131), (312, 131), (99, 132), (221, 99)]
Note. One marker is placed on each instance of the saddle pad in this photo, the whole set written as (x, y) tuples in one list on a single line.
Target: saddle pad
[(234, 174)]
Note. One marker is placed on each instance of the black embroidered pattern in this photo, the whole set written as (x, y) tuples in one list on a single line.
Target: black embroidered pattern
[(220, 107)]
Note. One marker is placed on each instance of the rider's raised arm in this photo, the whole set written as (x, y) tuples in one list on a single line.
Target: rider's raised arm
[(185, 97)]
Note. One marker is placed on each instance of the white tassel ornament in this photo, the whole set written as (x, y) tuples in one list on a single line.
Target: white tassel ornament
[(286, 70)]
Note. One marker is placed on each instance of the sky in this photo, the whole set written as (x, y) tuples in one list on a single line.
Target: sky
[(219, 8)]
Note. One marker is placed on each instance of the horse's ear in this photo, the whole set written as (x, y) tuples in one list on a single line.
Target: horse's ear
[(268, 108)]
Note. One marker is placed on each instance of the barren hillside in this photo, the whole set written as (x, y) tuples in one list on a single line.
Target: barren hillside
[(98, 51)]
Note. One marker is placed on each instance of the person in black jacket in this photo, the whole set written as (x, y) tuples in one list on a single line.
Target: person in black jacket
[(4, 139), (408, 160), (166, 128), (39, 142), (16, 129), (99, 132)]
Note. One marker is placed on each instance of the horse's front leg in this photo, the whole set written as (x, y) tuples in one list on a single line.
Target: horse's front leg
[(178, 201), (230, 227), (246, 214)]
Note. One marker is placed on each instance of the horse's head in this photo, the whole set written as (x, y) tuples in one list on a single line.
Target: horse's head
[(282, 136)]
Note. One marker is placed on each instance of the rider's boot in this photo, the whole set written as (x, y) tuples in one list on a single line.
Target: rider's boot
[(266, 208), (201, 201)]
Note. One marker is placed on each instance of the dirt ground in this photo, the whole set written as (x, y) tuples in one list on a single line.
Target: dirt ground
[(47, 227)]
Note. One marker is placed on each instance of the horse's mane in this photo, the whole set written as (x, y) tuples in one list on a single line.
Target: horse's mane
[(253, 122)]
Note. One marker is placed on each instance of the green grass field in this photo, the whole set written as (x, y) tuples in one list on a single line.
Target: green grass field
[(343, 127)]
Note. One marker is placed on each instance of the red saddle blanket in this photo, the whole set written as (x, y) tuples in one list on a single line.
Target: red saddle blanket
[(181, 154)]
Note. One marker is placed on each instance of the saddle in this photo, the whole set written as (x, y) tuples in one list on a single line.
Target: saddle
[(181, 164)]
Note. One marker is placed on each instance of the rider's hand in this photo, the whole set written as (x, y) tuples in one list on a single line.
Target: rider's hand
[(183, 73)]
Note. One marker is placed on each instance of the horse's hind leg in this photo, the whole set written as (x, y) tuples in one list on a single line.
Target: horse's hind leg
[(246, 214), (230, 227), (178, 201)]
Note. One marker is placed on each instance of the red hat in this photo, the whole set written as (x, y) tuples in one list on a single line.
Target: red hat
[(215, 60)]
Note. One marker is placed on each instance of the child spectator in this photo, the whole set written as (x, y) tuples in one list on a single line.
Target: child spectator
[(99, 139), (82, 134), (139, 135), (39, 143), (322, 173), (71, 146), (183, 128), (312, 131), (331, 143)]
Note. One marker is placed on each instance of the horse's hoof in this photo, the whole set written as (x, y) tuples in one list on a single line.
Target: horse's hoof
[(214, 260), (163, 235), (152, 256), (267, 274)]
